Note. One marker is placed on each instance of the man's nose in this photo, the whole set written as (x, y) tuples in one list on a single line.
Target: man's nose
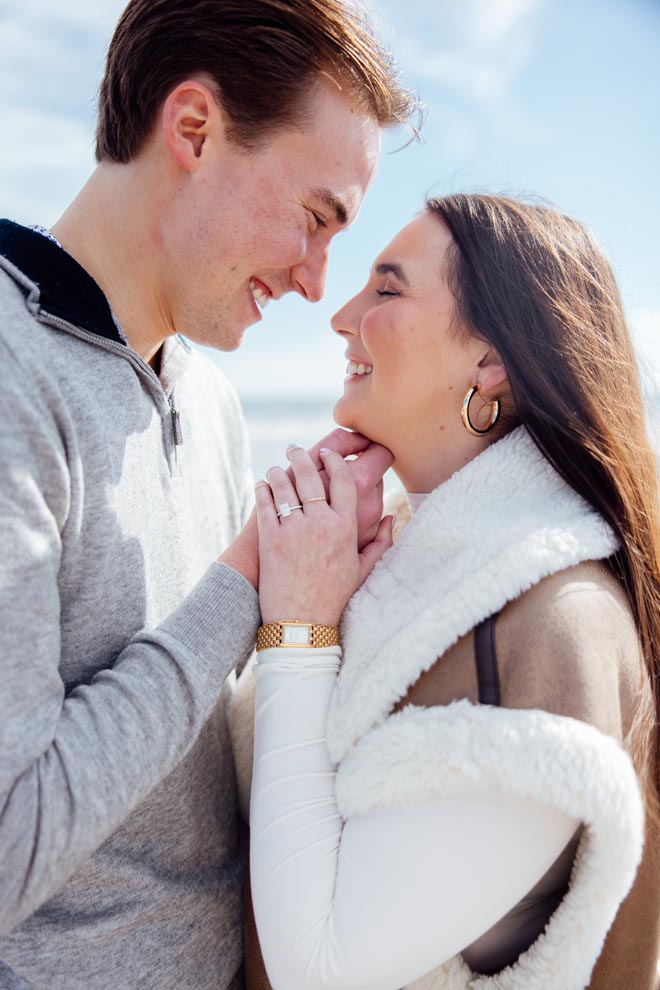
[(309, 276)]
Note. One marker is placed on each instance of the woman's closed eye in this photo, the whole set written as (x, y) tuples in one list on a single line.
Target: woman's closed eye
[(387, 292)]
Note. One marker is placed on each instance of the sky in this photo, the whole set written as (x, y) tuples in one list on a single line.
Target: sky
[(552, 98)]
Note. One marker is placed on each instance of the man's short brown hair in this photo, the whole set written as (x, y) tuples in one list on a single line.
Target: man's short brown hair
[(263, 56)]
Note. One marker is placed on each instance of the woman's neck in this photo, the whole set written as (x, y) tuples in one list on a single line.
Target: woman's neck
[(421, 466)]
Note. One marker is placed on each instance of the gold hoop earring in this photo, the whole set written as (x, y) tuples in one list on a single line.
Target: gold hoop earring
[(465, 414)]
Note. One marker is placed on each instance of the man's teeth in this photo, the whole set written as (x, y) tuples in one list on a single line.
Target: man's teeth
[(260, 297), (358, 369)]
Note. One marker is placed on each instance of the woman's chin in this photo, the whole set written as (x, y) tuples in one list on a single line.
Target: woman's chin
[(344, 416)]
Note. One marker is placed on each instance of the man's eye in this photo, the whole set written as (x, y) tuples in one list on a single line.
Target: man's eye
[(318, 220)]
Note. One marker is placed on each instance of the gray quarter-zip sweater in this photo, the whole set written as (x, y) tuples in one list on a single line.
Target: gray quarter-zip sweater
[(121, 860)]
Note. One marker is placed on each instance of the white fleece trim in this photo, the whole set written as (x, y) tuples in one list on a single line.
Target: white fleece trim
[(493, 530), (462, 749)]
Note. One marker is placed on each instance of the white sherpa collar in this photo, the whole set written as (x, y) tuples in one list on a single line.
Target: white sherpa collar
[(489, 533), (556, 760)]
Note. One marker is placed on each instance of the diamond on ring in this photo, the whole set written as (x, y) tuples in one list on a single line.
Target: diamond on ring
[(285, 509)]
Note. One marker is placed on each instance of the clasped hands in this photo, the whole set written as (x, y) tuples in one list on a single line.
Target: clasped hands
[(307, 565)]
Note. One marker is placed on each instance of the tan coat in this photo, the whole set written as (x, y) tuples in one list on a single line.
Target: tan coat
[(569, 646), (571, 680)]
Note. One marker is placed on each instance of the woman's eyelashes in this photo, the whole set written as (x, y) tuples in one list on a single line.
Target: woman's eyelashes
[(387, 292)]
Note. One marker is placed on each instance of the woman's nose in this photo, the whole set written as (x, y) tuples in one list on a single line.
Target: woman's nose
[(347, 319)]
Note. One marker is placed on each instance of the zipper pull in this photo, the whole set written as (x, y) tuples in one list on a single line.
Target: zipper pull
[(176, 425)]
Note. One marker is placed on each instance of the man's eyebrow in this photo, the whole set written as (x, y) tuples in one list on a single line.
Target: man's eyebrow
[(391, 268), (334, 203)]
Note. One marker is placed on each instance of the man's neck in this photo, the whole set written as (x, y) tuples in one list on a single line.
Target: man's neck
[(106, 229)]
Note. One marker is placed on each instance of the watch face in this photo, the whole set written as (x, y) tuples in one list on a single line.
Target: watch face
[(296, 635)]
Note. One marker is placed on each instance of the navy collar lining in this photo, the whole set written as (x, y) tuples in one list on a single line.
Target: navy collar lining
[(66, 290)]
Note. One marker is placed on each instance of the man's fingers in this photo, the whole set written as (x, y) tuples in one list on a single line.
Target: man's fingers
[(343, 442), (264, 505), (343, 496), (370, 467), (372, 552)]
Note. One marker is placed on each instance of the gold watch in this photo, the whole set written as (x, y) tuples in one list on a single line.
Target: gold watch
[(291, 632)]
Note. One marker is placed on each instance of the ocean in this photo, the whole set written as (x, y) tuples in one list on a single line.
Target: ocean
[(275, 423)]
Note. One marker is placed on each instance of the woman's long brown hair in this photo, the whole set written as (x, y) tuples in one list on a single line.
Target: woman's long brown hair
[(534, 284)]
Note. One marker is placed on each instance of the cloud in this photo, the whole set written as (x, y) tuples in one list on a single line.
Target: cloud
[(79, 15), (477, 48), (493, 23), (52, 62), (39, 145)]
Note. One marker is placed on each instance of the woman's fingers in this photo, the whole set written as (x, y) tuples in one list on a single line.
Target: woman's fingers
[(309, 563), (283, 489), (306, 478)]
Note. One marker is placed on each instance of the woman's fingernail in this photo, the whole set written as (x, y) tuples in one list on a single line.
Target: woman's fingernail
[(260, 482), (324, 450), (292, 446), (392, 521)]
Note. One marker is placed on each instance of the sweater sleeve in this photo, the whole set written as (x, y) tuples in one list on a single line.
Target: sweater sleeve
[(380, 899), (75, 765)]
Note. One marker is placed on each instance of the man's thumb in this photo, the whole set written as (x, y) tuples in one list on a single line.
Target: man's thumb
[(371, 554)]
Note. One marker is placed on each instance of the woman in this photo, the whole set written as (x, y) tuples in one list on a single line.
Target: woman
[(453, 806)]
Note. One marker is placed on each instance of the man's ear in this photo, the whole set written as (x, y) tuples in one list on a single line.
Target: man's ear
[(492, 376), (188, 116)]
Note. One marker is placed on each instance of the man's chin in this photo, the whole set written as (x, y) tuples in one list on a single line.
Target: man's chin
[(228, 341), (233, 344)]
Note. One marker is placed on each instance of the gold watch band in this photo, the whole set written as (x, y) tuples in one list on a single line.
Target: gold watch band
[(293, 633)]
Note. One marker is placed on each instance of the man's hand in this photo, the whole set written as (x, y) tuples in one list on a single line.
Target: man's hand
[(243, 553), (367, 468), (370, 463)]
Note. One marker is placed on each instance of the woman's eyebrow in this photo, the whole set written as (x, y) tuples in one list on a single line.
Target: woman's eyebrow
[(391, 268)]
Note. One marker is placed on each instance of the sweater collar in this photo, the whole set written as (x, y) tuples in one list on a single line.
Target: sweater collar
[(56, 284), (489, 533)]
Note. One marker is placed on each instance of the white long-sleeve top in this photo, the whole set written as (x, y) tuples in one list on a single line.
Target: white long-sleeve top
[(374, 902)]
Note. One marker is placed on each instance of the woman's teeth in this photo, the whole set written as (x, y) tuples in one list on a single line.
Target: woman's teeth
[(358, 369), (260, 297)]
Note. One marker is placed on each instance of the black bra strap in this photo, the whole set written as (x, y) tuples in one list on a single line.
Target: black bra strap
[(488, 678)]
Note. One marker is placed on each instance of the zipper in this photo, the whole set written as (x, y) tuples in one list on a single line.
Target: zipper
[(124, 351), (177, 434)]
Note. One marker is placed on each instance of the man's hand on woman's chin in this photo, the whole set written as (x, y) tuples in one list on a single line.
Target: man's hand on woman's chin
[(367, 468), (369, 464)]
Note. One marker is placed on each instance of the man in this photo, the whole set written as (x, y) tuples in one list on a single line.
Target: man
[(234, 140)]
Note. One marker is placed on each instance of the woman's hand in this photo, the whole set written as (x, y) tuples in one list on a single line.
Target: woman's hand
[(309, 560)]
